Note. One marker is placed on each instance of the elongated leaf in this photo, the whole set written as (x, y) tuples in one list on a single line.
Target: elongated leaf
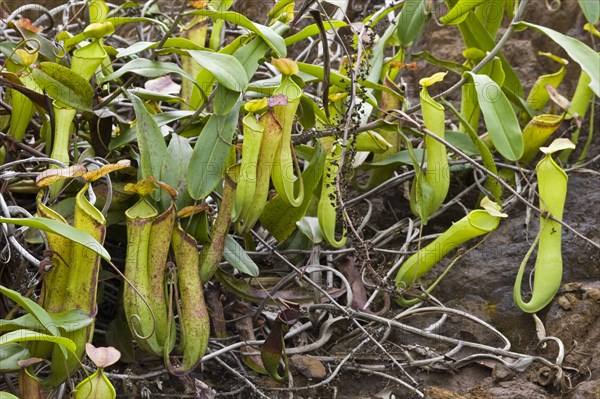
[(449, 65), (148, 69), (341, 81), (62, 229), (460, 10), (64, 85), (135, 48), (70, 320), (208, 162), (226, 68), (179, 43), (28, 335), (312, 30), (500, 119), (399, 158), (116, 21), (150, 140), (6, 395), (591, 10), (174, 168), (238, 258), (10, 355), (587, 58), (491, 14), (32, 308), (412, 20), (475, 35), (274, 41)]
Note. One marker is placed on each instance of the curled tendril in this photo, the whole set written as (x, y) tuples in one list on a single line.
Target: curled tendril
[(561, 348), (135, 316), (25, 43), (173, 291), (553, 5)]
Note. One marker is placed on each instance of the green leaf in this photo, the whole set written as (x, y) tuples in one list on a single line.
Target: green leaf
[(400, 158), (174, 167), (135, 48), (412, 20), (64, 85), (309, 226), (312, 30), (28, 335), (150, 140), (476, 35), (339, 80), (62, 229), (445, 64), (238, 258), (499, 116), (116, 21), (208, 162), (226, 68), (178, 43), (460, 10), (70, 320), (47, 48), (10, 355), (591, 10), (587, 58), (274, 41), (6, 395), (148, 69)]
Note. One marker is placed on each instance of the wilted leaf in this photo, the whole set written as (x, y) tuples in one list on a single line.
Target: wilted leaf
[(141, 188), (50, 176), (106, 169), (25, 23), (192, 210)]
